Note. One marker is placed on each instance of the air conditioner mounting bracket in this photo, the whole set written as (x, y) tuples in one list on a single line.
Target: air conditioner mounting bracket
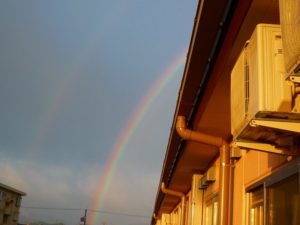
[(295, 79), (264, 147), (288, 125)]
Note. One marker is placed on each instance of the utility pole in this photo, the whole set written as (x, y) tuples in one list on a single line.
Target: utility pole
[(84, 221)]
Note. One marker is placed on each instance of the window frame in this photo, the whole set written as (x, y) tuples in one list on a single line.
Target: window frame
[(2, 195), (213, 217), (18, 200), (281, 174)]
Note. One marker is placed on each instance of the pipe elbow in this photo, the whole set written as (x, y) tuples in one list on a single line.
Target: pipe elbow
[(196, 136), (169, 191), (181, 128), (163, 187)]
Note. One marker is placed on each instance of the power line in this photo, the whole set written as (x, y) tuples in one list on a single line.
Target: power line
[(51, 208), (119, 213), (90, 210)]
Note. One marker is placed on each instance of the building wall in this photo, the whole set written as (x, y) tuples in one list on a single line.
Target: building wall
[(9, 207), (202, 204), (252, 167)]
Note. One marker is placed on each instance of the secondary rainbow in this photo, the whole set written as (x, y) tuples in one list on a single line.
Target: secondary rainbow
[(129, 129), (56, 100)]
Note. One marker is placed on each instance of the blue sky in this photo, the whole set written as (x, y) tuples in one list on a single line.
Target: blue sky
[(71, 75)]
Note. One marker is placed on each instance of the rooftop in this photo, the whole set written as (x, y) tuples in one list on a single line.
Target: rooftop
[(12, 189)]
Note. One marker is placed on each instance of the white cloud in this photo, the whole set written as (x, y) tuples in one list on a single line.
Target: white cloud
[(56, 186), (11, 177), (47, 186)]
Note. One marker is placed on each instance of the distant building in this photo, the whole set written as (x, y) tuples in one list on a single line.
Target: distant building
[(10, 202)]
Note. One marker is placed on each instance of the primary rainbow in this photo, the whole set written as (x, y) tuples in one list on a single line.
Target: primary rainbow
[(129, 129)]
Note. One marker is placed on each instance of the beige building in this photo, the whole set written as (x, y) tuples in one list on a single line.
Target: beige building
[(10, 202)]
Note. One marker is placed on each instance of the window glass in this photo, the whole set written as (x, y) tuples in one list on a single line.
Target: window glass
[(284, 202), (18, 201), (175, 218), (275, 203), (5, 219), (211, 212), (256, 207), (215, 214), (208, 215), (2, 194)]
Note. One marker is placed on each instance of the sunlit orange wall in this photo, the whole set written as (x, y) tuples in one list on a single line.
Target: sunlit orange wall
[(250, 168)]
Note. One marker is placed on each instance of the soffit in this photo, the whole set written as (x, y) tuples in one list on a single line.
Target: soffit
[(213, 113)]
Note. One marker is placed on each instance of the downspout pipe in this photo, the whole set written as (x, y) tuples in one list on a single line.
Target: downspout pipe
[(224, 184), (177, 194)]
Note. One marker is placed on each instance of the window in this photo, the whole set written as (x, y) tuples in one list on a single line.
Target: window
[(211, 211), (18, 201), (284, 202), (174, 218), (6, 219), (276, 199), (2, 195), (256, 209)]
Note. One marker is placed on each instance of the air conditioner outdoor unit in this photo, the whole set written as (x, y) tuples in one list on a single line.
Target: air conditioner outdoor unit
[(290, 26), (208, 178), (258, 85)]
